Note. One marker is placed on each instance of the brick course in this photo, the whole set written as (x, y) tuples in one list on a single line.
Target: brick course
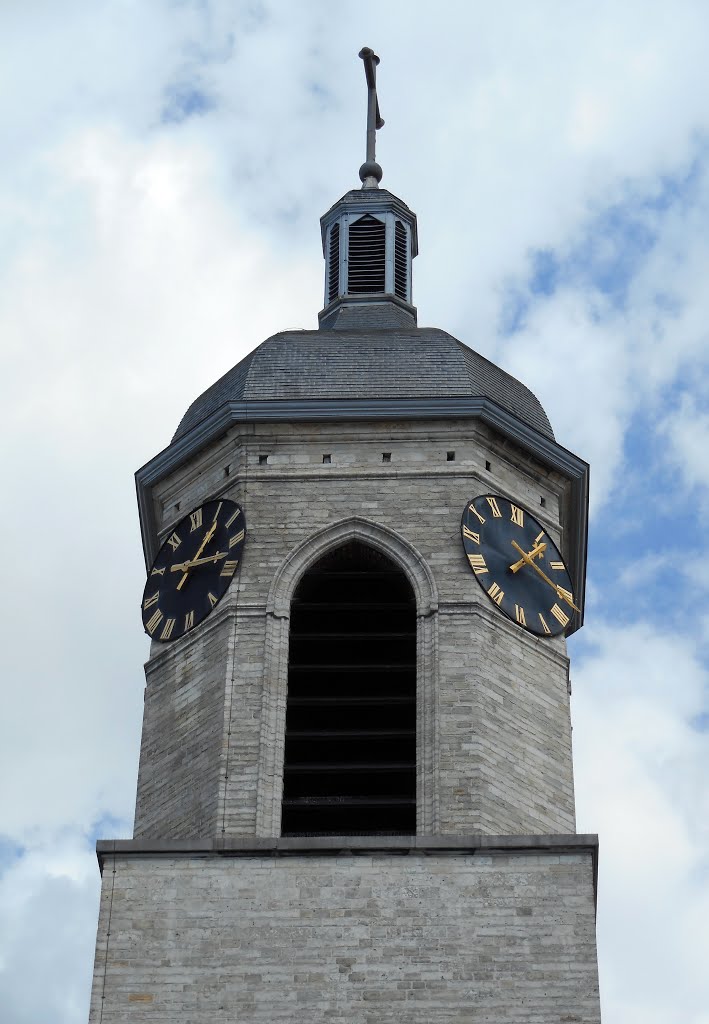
[(373, 938)]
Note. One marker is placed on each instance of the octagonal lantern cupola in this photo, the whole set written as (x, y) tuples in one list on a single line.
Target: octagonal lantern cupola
[(369, 241)]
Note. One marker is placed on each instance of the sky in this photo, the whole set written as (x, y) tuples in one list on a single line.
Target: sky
[(164, 167)]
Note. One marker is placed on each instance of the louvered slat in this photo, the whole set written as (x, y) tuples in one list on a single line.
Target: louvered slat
[(367, 255), (400, 261), (350, 742), (334, 274)]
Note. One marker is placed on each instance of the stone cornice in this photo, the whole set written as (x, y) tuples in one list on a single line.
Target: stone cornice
[(344, 846)]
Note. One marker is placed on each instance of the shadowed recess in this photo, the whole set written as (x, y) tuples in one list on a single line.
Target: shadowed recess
[(350, 757)]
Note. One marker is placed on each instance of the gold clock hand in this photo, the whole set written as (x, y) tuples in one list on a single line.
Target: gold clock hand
[(563, 594), (184, 566), (534, 553), (207, 537)]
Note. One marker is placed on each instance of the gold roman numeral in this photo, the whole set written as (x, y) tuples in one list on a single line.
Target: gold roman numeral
[(559, 615), (154, 621), (212, 599), (189, 621), (478, 564), (538, 538), (544, 625), (519, 615), (496, 514), (234, 516), (195, 520), (476, 513), (236, 539), (517, 515), (566, 594), (229, 569), (174, 541), (496, 594), (469, 535), (150, 601), (167, 629), (556, 565), (158, 572)]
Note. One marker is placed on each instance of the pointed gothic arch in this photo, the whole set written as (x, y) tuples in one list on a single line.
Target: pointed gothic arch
[(275, 690)]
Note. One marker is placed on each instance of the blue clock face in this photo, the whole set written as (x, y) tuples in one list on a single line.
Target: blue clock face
[(517, 565), (193, 569)]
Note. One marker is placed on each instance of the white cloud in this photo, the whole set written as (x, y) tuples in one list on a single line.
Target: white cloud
[(641, 775), (687, 431), (48, 914)]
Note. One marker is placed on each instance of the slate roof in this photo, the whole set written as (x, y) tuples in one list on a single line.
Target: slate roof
[(368, 316), (375, 196), (397, 362)]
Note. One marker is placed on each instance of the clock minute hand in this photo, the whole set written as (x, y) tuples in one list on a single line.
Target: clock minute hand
[(184, 566), (207, 537), (560, 592)]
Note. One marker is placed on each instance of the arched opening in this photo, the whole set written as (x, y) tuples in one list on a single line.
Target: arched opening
[(350, 744)]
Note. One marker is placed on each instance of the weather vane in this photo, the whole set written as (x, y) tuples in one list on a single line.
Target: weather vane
[(370, 172)]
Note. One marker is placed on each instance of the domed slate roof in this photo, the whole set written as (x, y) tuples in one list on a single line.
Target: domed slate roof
[(393, 363)]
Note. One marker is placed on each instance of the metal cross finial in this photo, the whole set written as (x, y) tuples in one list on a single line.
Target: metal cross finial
[(370, 172)]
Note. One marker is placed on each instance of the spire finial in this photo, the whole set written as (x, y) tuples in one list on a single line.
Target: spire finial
[(370, 172)]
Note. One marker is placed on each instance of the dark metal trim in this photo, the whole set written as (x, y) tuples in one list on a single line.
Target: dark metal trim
[(364, 299), (364, 201)]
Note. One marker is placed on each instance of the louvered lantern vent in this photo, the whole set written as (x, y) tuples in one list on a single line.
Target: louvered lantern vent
[(400, 267), (367, 255), (333, 280)]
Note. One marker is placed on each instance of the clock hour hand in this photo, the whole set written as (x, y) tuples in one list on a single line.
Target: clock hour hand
[(536, 551), (563, 594), (184, 566), (207, 537)]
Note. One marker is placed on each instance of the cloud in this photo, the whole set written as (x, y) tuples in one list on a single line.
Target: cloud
[(687, 433), (141, 309), (48, 912), (641, 780)]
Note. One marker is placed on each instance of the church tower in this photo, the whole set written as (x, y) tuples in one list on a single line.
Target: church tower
[(355, 799)]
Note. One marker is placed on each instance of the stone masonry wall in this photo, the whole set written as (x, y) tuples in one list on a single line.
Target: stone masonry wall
[(183, 734), (497, 747), (374, 938)]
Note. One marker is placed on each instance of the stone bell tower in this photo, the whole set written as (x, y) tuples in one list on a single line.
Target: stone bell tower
[(355, 798)]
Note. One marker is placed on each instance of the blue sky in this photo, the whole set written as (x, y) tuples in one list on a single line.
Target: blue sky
[(162, 181)]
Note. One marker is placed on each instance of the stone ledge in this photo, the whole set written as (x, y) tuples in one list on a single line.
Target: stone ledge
[(343, 846)]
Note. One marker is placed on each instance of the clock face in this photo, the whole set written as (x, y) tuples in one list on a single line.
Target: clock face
[(193, 569), (517, 565)]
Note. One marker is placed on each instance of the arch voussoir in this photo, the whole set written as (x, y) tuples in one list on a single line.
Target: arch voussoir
[(383, 538)]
